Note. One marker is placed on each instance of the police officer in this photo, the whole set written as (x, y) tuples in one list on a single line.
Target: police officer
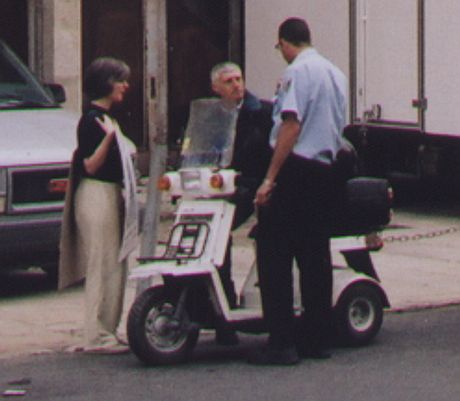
[(294, 200)]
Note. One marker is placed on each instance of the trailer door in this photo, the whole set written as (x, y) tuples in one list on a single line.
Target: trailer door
[(386, 60), (442, 60)]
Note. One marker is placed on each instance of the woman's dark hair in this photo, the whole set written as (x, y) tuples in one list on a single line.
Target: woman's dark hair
[(101, 74), (295, 31)]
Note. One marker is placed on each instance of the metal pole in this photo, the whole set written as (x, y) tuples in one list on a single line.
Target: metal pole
[(156, 104)]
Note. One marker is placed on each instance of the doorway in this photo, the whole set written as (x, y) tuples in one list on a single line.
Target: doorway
[(114, 28), (200, 34)]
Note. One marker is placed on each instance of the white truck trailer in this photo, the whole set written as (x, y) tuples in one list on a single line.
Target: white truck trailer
[(402, 58)]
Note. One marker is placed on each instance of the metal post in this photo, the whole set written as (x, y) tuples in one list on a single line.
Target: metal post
[(156, 105)]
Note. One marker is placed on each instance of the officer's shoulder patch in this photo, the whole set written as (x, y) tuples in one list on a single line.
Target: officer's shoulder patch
[(286, 84)]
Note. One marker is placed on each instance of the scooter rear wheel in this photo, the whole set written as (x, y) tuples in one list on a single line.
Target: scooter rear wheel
[(359, 314), (155, 334)]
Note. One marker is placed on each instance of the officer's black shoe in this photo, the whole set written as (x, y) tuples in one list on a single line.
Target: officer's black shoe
[(274, 356)]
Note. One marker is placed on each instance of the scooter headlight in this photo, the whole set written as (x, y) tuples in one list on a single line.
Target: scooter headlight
[(191, 180)]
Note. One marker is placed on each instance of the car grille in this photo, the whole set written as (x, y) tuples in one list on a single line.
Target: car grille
[(30, 188)]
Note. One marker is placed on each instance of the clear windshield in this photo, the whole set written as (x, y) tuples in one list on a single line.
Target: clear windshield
[(18, 87), (209, 135)]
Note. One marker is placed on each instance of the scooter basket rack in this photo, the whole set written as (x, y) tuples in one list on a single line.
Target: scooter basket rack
[(186, 241)]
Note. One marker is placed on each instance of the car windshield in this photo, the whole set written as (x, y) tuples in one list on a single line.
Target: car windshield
[(209, 135), (18, 87)]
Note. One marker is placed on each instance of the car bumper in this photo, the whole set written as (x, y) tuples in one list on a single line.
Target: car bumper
[(31, 240)]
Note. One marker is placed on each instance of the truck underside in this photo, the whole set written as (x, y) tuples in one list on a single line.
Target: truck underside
[(417, 164)]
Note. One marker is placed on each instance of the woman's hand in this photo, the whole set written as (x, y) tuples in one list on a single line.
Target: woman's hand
[(97, 159), (106, 124)]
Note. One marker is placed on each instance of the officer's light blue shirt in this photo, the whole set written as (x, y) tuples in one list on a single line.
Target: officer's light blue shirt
[(316, 91)]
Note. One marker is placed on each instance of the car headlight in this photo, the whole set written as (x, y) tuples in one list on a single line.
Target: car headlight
[(3, 185)]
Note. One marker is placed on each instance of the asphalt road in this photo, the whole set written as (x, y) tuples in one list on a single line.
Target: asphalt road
[(415, 357)]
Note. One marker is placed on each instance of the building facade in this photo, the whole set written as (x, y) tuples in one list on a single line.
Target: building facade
[(169, 44)]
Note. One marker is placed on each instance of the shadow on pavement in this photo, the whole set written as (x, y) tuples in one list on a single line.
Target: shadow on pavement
[(25, 282)]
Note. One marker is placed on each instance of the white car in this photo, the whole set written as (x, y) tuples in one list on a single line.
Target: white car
[(37, 138)]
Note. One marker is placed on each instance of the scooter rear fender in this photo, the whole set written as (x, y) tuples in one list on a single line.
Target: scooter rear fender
[(345, 277)]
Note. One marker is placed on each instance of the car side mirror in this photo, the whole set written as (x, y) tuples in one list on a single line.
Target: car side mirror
[(57, 91)]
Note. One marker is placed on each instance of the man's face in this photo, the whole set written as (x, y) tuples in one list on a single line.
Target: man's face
[(230, 86)]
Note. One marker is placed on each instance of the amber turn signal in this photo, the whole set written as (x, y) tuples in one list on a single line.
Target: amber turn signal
[(164, 183), (216, 181), (58, 185)]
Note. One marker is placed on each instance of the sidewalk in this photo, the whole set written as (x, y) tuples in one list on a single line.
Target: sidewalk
[(419, 267)]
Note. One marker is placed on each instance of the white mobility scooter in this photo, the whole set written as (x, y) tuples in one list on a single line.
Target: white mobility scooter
[(186, 293)]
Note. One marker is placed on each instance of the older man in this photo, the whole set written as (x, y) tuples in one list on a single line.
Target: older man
[(251, 155)]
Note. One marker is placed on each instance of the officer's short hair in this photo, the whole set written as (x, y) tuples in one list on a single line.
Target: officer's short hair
[(101, 74), (295, 31)]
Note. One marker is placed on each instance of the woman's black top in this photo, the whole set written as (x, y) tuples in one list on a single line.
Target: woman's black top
[(89, 136)]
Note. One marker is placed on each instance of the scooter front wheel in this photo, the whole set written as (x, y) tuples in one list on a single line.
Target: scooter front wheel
[(359, 314), (156, 333)]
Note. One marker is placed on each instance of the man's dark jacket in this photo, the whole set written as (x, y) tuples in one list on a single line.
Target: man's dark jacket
[(251, 153)]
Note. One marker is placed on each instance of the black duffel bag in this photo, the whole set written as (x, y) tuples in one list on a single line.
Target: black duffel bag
[(364, 205)]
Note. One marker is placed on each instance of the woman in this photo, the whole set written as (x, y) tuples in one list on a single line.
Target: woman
[(92, 228)]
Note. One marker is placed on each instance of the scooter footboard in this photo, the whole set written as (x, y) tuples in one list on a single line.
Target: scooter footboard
[(169, 268)]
